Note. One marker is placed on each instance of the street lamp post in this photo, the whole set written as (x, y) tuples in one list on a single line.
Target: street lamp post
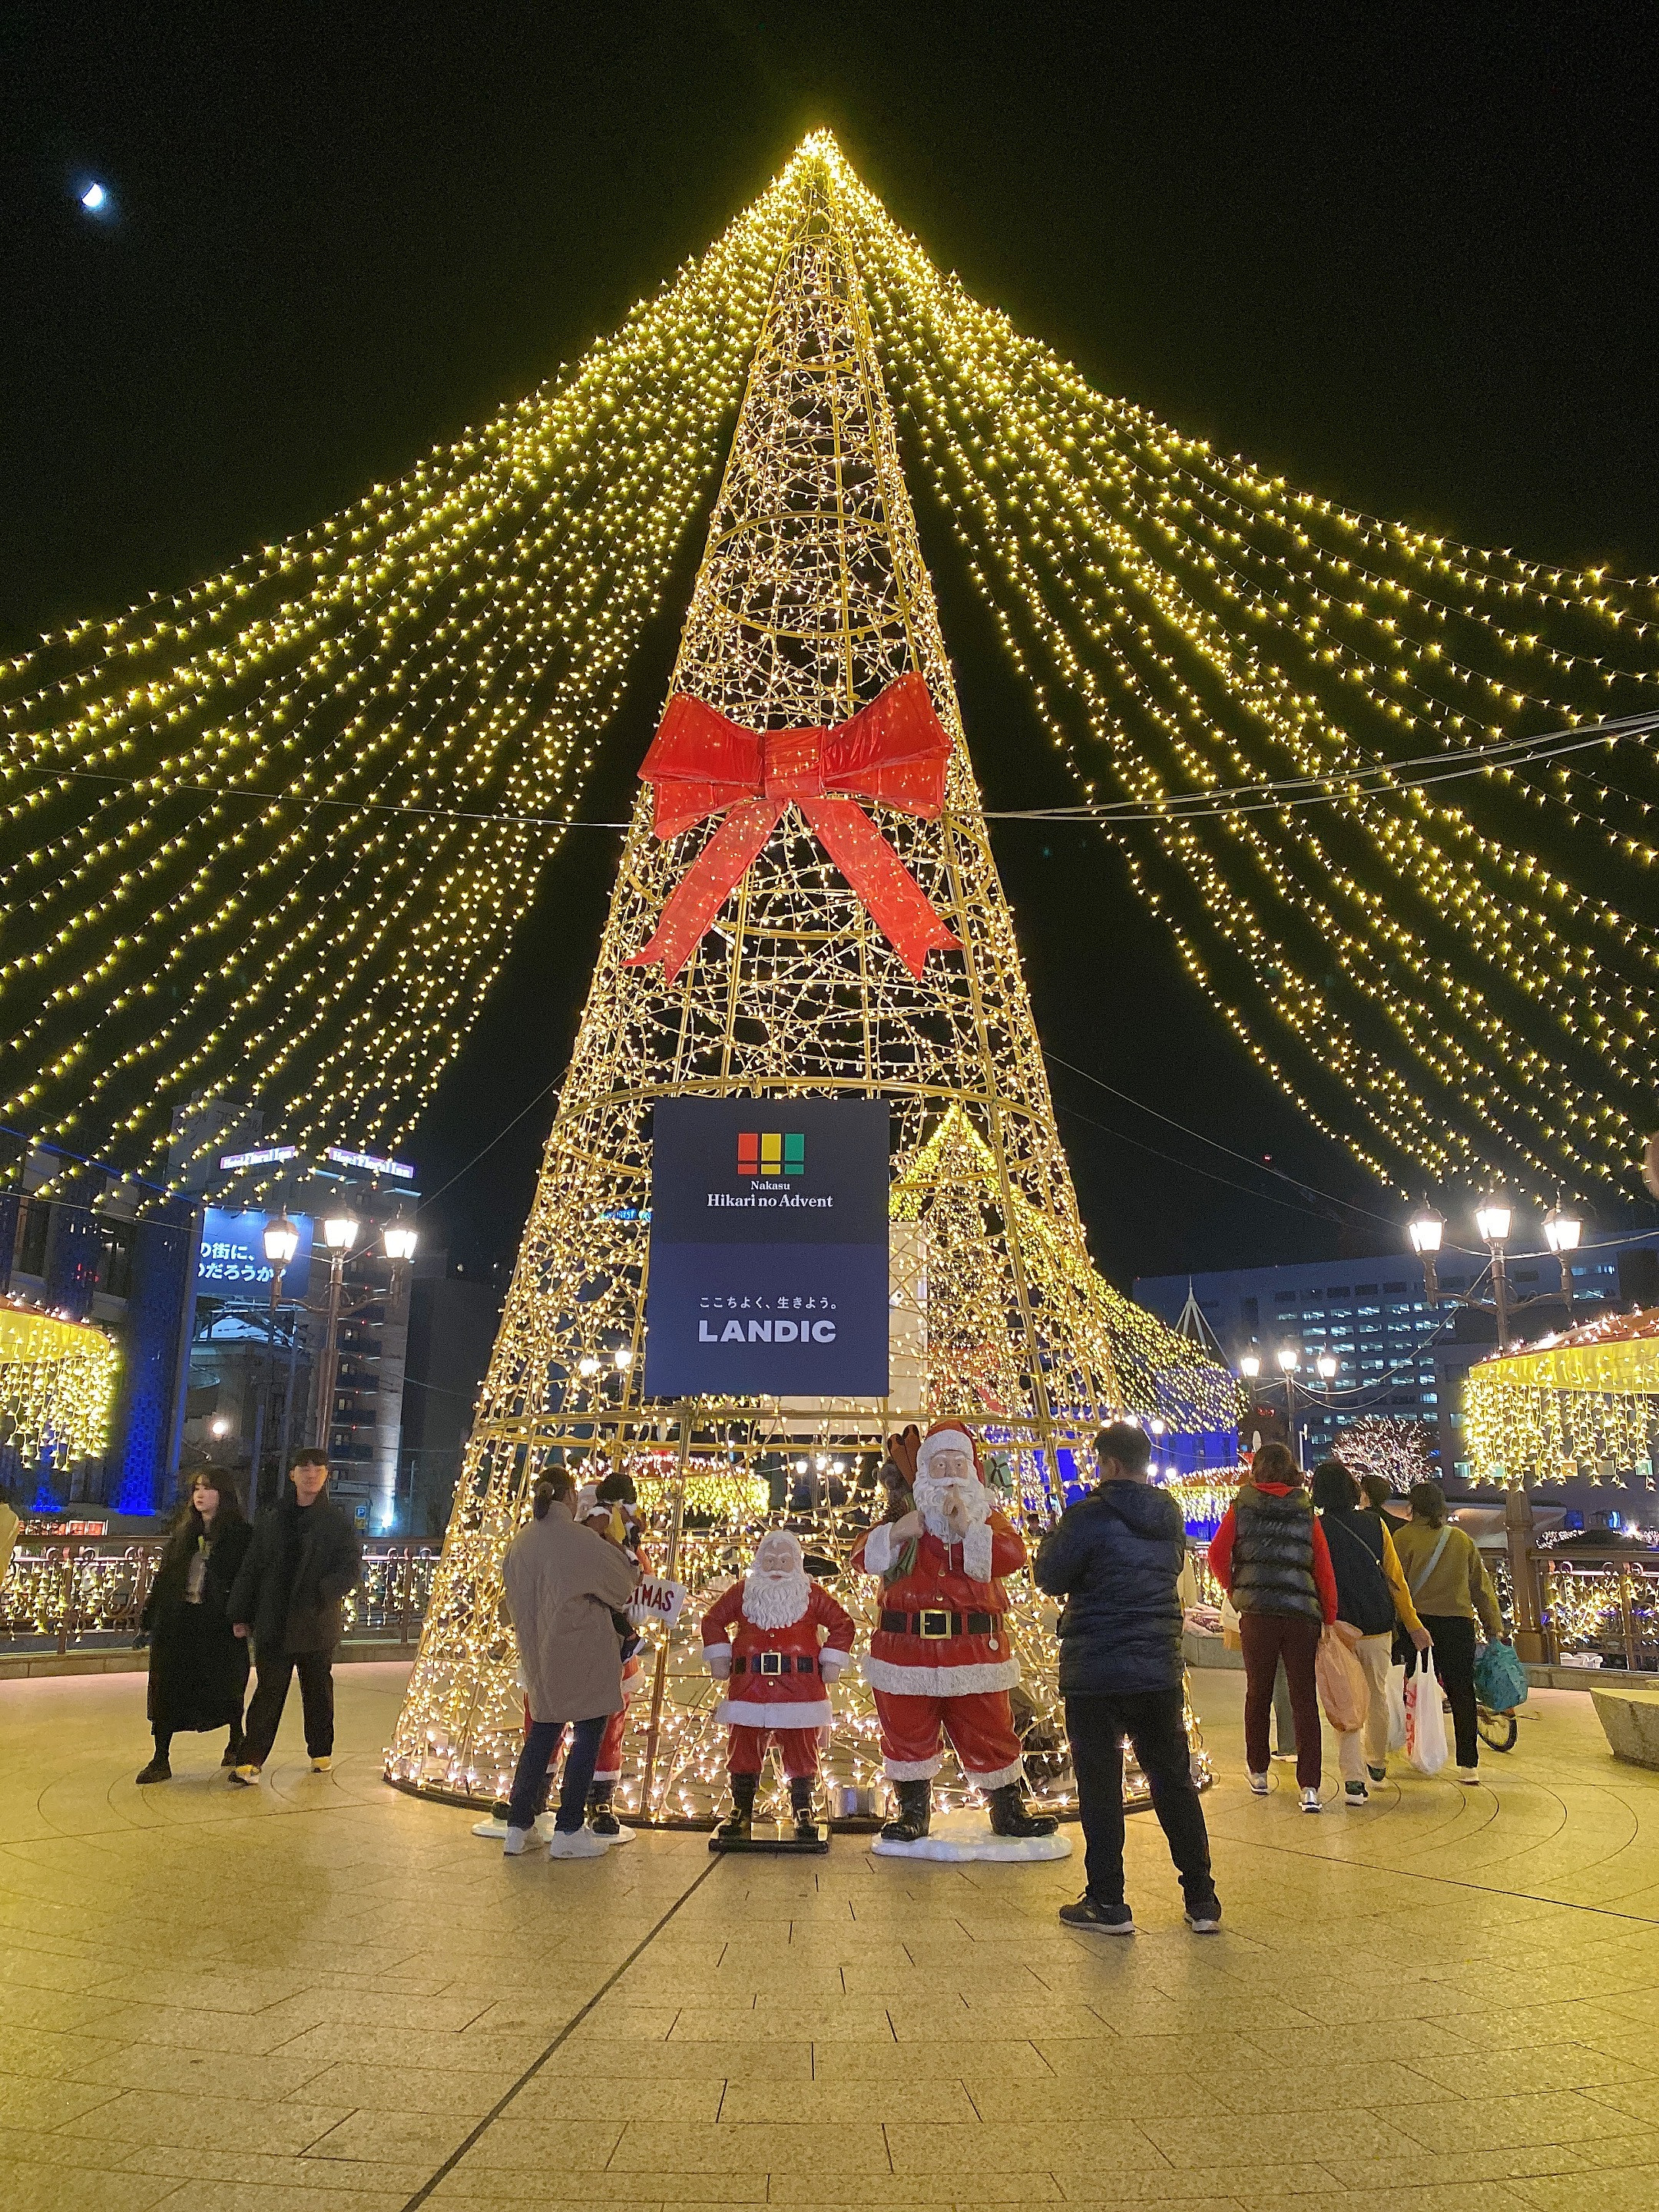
[(282, 1241), (1494, 1218), (339, 1235)]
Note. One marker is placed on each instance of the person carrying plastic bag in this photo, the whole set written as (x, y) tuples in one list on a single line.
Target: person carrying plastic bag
[(1451, 1588), (1371, 1597)]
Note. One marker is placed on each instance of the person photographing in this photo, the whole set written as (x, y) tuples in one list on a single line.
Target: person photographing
[(1115, 1557)]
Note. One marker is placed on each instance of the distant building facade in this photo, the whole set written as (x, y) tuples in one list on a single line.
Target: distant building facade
[(1395, 1354)]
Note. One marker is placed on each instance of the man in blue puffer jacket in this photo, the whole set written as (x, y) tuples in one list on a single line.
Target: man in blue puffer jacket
[(1115, 1557)]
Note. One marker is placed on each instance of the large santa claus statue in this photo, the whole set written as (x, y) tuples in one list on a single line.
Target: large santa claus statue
[(762, 1639), (941, 1662)]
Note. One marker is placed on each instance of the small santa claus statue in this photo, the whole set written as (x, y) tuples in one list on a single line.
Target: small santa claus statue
[(941, 1658), (762, 1639)]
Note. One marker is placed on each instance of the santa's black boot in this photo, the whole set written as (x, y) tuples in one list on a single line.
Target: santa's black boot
[(736, 1829), (916, 1809), (600, 1818), (800, 1804), (1010, 1817)]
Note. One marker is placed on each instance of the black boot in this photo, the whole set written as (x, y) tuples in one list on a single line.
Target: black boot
[(600, 1818), (916, 1809), (800, 1804), (736, 1829), (233, 1752), (1010, 1817), (158, 1769)]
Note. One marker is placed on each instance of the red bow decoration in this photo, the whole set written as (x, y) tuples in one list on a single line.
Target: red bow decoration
[(699, 763)]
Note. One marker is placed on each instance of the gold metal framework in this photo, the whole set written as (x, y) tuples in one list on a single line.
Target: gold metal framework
[(812, 597)]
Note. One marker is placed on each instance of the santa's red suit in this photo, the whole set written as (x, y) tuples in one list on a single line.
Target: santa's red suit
[(780, 1678), (940, 1659)]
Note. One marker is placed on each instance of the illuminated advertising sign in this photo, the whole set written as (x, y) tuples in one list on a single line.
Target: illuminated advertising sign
[(231, 1262), (769, 1273), (374, 1165)]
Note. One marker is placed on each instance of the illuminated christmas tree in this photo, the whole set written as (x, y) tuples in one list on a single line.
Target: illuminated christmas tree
[(763, 940)]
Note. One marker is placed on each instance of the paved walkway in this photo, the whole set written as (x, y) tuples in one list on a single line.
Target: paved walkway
[(238, 2000)]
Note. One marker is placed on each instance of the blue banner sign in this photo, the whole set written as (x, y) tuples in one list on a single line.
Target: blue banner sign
[(768, 1249), (231, 1262)]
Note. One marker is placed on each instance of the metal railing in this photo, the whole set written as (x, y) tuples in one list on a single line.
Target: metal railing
[(74, 1592)]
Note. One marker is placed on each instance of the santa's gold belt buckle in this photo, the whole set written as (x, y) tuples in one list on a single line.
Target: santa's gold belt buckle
[(935, 1624), (771, 1662)]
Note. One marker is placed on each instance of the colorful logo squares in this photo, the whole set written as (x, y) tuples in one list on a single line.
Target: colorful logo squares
[(768, 1153)]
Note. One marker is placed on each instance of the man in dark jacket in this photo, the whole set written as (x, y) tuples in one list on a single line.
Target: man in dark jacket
[(304, 1558), (1116, 1558)]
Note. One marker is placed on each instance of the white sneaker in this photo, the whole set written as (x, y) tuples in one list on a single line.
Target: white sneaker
[(1468, 1774), (1310, 1802), (1258, 1782), (576, 1843), (517, 1842)]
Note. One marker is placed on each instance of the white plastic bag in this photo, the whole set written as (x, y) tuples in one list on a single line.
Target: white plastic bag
[(1425, 1723), (1396, 1709)]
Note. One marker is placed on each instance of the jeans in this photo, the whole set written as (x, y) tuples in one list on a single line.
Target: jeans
[(1370, 1743), (1267, 1637), (1454, 1662), (316, 1673), (541, 1742), (1152, 1719)]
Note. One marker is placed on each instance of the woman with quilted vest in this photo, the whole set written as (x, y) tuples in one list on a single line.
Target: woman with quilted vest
[(1270, 1557)]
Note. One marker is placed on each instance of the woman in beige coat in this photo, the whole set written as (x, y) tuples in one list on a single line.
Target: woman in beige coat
[(562, 1583)]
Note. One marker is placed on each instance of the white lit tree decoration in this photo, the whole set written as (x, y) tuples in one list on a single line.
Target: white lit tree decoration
[(1384, 1445)]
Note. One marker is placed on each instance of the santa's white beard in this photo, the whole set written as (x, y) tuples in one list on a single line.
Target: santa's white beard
[(775, 1601), (929, 1494)]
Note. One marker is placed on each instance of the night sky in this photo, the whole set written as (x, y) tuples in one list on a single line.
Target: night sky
[(1406, 263)]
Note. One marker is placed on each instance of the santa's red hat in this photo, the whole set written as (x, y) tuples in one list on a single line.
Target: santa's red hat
[(962, 1439)]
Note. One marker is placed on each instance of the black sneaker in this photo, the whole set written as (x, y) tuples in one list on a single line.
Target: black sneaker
[(1103, 1919), (1204, 1918), (1376, 1773), (157, 1771)]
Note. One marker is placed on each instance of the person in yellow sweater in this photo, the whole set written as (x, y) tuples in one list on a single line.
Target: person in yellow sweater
[(1451, 1590), (1372, 1596)]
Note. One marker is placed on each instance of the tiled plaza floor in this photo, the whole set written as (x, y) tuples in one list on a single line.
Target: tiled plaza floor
[(237, 2000)]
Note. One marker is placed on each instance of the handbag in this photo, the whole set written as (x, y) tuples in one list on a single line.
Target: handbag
[(1500, 1680), (1343, 1691), (1425, 1723)]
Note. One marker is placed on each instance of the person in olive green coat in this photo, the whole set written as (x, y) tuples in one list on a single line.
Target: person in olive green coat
[(1451, 1589)]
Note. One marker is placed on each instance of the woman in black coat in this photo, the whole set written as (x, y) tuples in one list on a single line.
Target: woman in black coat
[(197, 1664)]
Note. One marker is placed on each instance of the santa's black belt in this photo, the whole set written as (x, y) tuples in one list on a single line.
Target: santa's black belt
[(777, 1662), (933, 1625)]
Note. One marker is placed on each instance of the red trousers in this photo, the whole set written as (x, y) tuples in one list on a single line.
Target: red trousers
[(797, 1747), (981, 1728), (1267, 1637), (608, 1768)]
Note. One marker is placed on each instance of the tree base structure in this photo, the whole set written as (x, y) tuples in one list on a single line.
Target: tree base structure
[(809, 1840)]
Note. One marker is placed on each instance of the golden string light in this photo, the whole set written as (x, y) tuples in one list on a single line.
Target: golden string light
[(1448, 988), (57, 1387), (1585, 1403)]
